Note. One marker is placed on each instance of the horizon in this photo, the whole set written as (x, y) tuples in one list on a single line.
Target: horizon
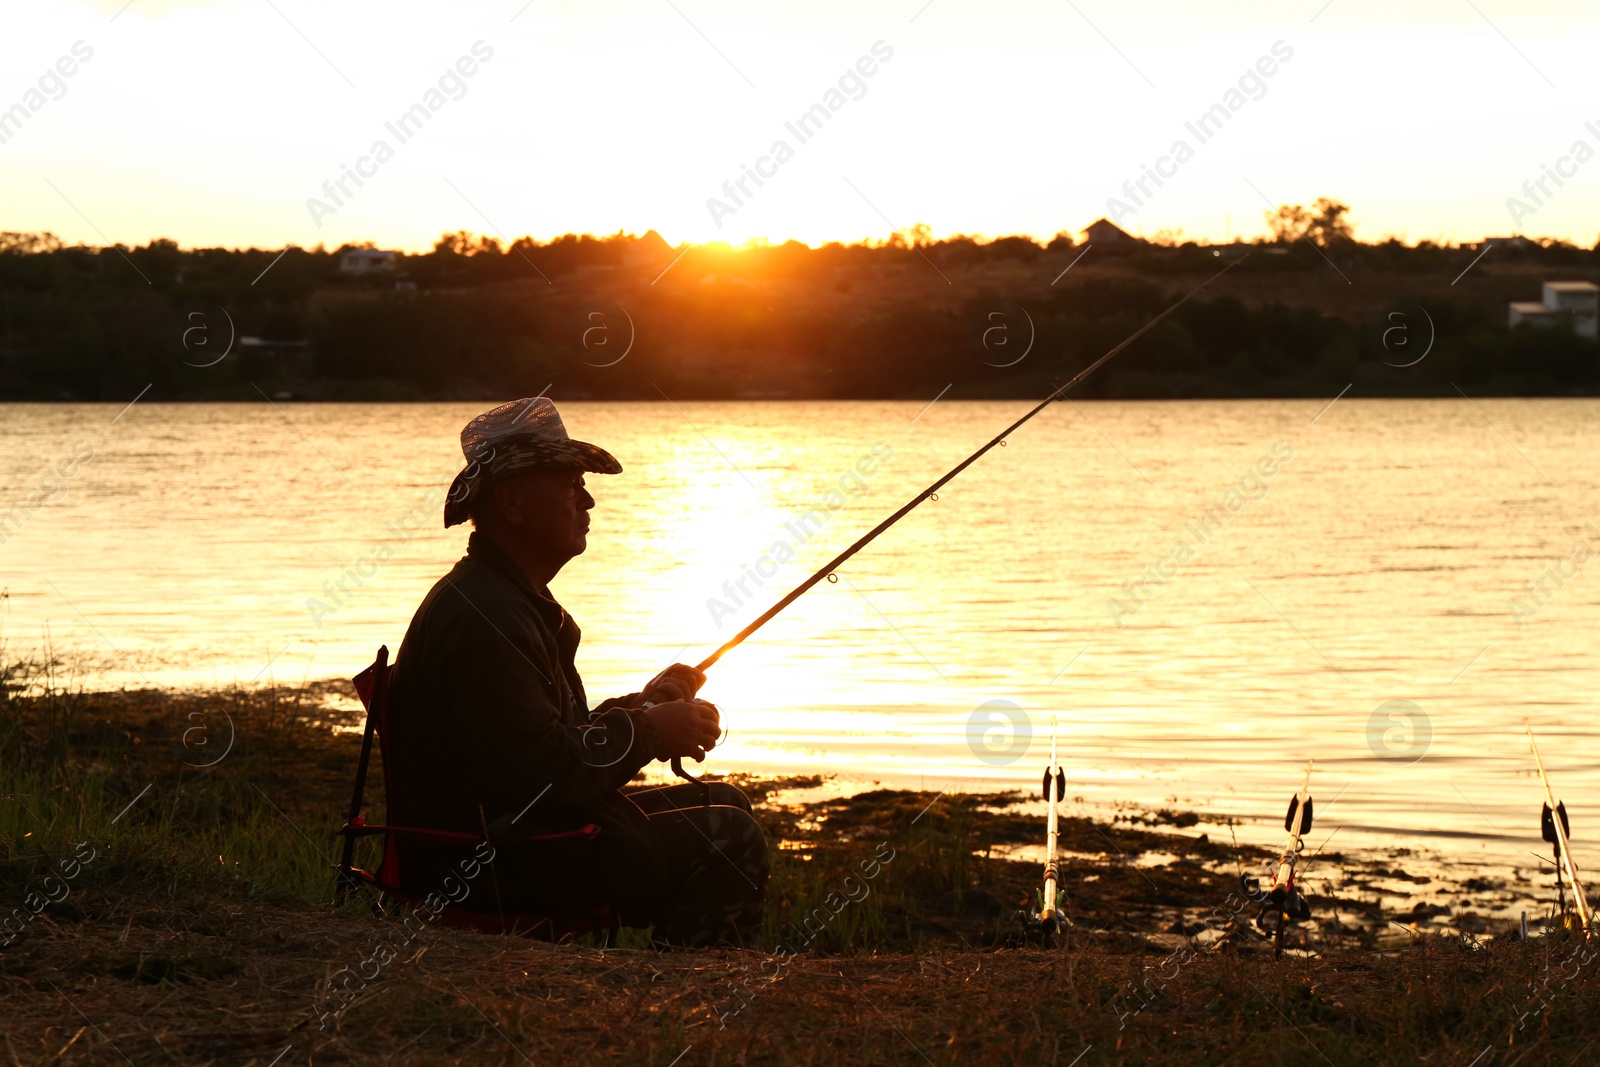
[(759, 243)]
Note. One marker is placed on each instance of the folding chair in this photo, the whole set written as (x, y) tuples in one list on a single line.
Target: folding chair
[(372, 686)]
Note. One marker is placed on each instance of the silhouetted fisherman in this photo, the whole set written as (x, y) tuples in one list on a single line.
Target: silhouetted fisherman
[(490, 731)]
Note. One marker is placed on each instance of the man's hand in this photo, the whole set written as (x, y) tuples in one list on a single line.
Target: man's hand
[(678, 682), (685, 728)]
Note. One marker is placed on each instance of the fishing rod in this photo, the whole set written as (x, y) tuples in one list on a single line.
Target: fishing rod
[(1555, 829), (1284, 903), (828, 568), (1055, 787), (1050, 900)]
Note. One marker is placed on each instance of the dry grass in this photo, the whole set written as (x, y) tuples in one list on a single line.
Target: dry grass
[(229, 982)]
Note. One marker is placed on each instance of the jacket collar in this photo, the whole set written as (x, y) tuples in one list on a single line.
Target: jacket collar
[(482, 549), (562, 627)]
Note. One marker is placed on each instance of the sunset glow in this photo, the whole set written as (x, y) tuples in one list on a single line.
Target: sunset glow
[(234, 124)]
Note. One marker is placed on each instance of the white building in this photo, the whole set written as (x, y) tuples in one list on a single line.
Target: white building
[(1576, 304), (366, 261)]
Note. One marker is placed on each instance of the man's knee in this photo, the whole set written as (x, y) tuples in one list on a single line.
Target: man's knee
[(748, 835), (729, 795), (722, 853), (735, 837)]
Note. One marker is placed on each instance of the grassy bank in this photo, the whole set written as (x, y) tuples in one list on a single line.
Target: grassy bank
[(168, 856)]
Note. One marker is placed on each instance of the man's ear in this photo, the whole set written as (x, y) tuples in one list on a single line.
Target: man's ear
[(507, 499)]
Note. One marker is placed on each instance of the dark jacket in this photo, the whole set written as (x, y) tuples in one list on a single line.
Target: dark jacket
[(489, 728)]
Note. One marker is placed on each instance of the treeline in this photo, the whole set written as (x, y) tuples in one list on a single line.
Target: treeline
[(476, 318)]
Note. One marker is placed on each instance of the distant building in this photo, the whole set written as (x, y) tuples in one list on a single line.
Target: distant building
[(359, 261), (1515, 243), (1572, 304), (1533, 313), (651, 250), (1107, 233)]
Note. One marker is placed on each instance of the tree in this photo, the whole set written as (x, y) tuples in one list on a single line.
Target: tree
[(453, 244), (917, 236), (28, 243), (1288, 223), (1024, 249), (1330, 226), (1324, 225), (466, 243)]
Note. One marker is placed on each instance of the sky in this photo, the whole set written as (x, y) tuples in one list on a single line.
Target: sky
[(218, 122)]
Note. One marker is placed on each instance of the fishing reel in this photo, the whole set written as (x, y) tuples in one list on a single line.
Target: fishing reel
[(1041, 925), (1289, 904)]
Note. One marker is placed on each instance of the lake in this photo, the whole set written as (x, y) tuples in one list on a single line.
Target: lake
[(1201, 595)]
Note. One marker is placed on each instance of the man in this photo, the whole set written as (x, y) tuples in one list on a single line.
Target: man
[(490, 731)]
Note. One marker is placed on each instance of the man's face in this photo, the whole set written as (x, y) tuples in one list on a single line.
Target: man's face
[(548, 511)]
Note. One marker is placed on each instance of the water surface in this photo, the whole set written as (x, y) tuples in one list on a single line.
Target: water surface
[(203, 545)]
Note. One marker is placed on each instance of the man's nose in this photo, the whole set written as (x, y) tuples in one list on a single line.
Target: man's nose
[(585, 500)]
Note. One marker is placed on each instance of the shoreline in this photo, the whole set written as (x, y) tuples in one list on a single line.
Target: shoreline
[(1439, 848), (1366, 888), (198, 925)]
